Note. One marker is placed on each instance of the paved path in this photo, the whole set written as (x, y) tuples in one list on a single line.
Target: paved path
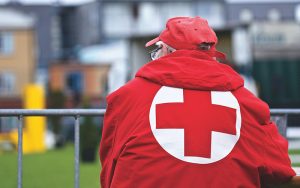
[(293, 134), (295, 158), (297, 170), (294, 144)]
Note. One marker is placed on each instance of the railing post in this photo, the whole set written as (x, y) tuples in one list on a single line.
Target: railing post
[(281, 122), (20, 150), (77, 144)]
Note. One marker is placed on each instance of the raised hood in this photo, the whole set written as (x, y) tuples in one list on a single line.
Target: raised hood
[(191, 69)]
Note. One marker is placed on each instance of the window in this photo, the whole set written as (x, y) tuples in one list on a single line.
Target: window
[(74, 86), (7, 83), (135, 10), (112, 22), (6, 43), (246, 16), (297, 13), (274, 15), (74, 82)]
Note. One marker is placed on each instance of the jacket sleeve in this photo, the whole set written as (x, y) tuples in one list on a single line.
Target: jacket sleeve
[(277, 163), (107, 142)]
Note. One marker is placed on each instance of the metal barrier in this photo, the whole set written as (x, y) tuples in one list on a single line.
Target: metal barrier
[(280, 117), (76, 113), (20, 113)]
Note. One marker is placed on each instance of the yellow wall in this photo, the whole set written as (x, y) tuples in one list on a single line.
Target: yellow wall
[(21, 62)]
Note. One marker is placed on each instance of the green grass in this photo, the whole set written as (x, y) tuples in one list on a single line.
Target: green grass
[(53, 169), (294, 152)]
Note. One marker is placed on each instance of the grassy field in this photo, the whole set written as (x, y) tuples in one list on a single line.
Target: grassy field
[(294, 152), (52, 169)]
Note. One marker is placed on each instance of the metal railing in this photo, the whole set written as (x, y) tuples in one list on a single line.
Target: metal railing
[(77, 113), (280, 117), (20, 113)]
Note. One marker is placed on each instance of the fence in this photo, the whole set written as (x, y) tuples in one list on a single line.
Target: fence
[(20, 113), (282, 115)]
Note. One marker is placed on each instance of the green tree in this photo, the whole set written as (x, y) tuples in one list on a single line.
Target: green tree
[(56, 100)]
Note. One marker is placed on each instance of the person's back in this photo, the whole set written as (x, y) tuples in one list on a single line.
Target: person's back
[(187, 121)]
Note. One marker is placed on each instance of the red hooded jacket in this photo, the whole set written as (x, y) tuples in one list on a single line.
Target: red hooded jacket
[(186, 121)]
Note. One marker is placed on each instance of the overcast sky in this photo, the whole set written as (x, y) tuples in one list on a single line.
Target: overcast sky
[(64, 2)]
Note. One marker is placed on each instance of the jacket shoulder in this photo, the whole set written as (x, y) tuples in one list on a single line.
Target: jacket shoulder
[(253, 105), (132, 89)]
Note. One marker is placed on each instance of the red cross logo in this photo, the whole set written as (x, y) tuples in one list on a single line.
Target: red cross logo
[(198, 117)]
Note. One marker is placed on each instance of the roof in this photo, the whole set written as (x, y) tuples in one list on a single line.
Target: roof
[(13, 19)]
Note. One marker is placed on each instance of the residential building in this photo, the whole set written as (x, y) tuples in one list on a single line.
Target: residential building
[(47, 30), (266, 41), (80, 27), (61, 31), (79, 82), (17, 56), (141, 20)]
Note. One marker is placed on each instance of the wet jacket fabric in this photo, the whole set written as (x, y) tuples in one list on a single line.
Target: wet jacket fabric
[(186, 121)]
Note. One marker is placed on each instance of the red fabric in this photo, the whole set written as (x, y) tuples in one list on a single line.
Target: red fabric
[(186, 33), (196, 103), (132, 157)]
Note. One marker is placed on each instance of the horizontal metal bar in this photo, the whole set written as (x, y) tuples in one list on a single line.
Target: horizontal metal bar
[(52, 112), (275, 111), (93, 112)]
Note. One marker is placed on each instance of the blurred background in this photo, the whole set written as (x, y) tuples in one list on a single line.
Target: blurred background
[(72, 53)]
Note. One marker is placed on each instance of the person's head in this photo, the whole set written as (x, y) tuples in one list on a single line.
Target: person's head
[(184, 33), (161, 50)]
